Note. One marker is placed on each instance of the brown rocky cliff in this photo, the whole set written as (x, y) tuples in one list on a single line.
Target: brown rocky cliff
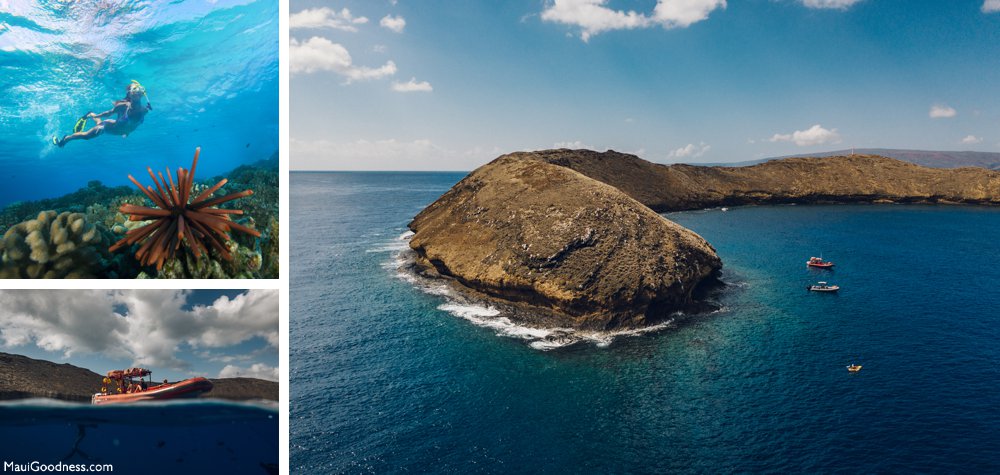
[(539, 234), (845, 179), (22, 377)]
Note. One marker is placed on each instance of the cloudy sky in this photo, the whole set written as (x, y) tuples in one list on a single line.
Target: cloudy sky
[(448, 85), (176, 334)]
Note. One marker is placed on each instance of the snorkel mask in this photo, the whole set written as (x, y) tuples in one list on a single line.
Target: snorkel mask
[(135, 88)]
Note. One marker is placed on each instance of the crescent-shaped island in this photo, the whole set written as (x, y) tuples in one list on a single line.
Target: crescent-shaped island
[(573, 238)]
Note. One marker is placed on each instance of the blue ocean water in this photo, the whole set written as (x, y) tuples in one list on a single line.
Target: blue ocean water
[(210, 69), (197, 436), (386, 377)]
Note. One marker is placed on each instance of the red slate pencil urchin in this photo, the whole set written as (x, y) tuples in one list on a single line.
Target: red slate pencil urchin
[(196, 224)]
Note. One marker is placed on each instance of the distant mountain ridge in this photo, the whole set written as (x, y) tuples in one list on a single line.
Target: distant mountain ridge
[(927, 158), (22, 377)]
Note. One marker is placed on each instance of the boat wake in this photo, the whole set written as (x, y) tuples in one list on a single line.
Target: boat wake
[(494, 316)]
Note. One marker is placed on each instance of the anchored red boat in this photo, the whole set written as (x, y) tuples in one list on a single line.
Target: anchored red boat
[(126, 389), (819, 262)]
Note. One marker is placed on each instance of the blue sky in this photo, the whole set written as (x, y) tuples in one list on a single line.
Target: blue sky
[(175, 333), (435, 85)]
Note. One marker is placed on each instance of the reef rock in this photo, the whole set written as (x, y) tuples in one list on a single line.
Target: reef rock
[(568, 249), (56, 246)]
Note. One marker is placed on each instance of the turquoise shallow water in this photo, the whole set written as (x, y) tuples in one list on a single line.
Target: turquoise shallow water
[(210, 69), (382, 379)]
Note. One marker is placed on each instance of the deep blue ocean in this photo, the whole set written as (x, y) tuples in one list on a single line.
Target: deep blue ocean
[(210, 69), (390, 375), (194, 437)]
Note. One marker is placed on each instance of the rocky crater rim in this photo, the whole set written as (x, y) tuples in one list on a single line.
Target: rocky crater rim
[(574, 236)]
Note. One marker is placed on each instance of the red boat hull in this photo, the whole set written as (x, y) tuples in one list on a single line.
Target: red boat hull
[(825, 265), (185, 389)]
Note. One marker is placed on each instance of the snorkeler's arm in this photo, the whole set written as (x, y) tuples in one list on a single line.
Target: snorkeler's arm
[(106, 113)]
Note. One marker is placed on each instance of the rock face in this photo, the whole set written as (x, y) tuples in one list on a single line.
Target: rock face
[(242, 389), (846, 179), (22, 377), (572, 236), (572, 250)]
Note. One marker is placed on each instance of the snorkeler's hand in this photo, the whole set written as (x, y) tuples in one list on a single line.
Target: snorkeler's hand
[(91, 115)]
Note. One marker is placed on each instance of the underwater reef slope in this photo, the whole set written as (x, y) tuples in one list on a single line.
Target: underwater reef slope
[(573, 236), (570, 250), (22, 377)]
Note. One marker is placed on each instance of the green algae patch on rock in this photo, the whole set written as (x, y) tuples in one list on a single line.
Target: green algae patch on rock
[(565, 248)]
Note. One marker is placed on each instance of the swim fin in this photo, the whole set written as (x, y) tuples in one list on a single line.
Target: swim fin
[(81, 124)]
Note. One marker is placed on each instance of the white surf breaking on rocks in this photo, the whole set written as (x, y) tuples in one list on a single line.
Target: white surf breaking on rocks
[(402, 263)]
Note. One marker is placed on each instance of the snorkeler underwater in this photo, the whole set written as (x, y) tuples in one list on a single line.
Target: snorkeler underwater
[(97, 183), (129, 113)]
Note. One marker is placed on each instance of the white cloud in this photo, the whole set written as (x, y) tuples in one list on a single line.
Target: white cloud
[(380, 48), (830, 4), (321, 54), (412, 86), (972, 140), (576, 144), (394, 23), (150, 330), (684, 13), (690, 151), (991, 6), (593, 16), (257, 370), (230, 321), (325, 18), (815, 135), (82, 321), (941, 111)]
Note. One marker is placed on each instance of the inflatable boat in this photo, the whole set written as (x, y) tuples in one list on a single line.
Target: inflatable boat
[(128, 390)]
